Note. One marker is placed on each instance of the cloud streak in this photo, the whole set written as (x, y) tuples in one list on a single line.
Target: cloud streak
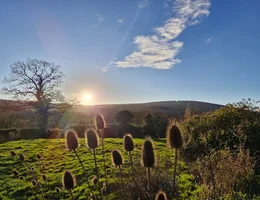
[(120, 21), (159, 50), (100, 18)]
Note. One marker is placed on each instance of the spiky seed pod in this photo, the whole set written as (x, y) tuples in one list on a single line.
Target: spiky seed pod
[(13, 153), (174, 137), (39, 156), (148, 154), (128, 142), (71, 140), (117, 157), (44, 177), (68, 180), (92, 139), (57, 189), (15, 173), (34, 183), (21, 177), (100, 122), (22, 157), (161, 196)]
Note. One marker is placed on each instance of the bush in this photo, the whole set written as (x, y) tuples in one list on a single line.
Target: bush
[(31, 133), (229, 127)]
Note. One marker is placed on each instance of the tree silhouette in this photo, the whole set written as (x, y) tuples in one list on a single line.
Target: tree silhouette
[(36, 83), (124, 117)]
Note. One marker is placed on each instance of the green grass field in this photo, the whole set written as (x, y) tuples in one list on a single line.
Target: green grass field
[(56, 159)]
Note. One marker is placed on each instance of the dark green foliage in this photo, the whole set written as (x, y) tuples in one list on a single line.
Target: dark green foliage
[(68, 180), (79, 129), (92, 139), (71, 140), (230, 126), (128, 142), (124, 117), (174, 137), (148, 154), (117, 158), (100, 122)]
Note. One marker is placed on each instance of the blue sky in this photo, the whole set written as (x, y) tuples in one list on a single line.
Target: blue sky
[(139, 51)]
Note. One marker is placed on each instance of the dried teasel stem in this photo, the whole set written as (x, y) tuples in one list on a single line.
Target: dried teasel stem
[(161, 196), (101, 125), (174, 140)]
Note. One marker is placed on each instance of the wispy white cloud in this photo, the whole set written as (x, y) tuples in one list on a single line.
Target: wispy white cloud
[(142, 3), (120, 21), (106, 67), (160, 49), (100, 18), (209, 40)]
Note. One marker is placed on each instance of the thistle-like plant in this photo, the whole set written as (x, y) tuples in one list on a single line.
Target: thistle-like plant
[(174, 140), (100, 124), (117, 160), (161, 196), (92, 141), (129, 147), (148, 158), (12, 153), (68, 182), (72, 144)]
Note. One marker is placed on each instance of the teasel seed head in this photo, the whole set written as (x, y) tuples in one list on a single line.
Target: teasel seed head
[(57, 189), (44, 177), (68, 180), (13, 153), (34, 183), (15, 172), (22, 157), (92, 139), (117, 157), (39, 156), (161, 196), (94, 180), (128, 142), (71, 140), (148, 154), (100, 122), (174, 137)]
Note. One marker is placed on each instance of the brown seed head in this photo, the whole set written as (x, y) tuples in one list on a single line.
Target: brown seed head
[(100, 122), (161, 196), (57, 189), (117, 157), (44, 177), (15, 172), (148, 154), (39, 156), (94, 180), (92, 139), (128, 142), (34, 183), (174, 138), (22, 157), (71, 140), (68, 180), (13, 153)]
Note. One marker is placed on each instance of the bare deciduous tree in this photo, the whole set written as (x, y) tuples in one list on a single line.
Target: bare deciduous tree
[(36, 83)]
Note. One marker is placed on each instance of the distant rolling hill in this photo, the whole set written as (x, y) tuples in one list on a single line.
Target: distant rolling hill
[(81, 113)]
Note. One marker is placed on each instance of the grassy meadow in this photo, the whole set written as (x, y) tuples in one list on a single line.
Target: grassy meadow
[(56, 159)]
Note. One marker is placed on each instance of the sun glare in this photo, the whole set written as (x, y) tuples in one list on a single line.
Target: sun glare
[(87, 99)]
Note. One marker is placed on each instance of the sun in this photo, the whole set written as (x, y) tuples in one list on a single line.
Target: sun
[(87, 99)]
